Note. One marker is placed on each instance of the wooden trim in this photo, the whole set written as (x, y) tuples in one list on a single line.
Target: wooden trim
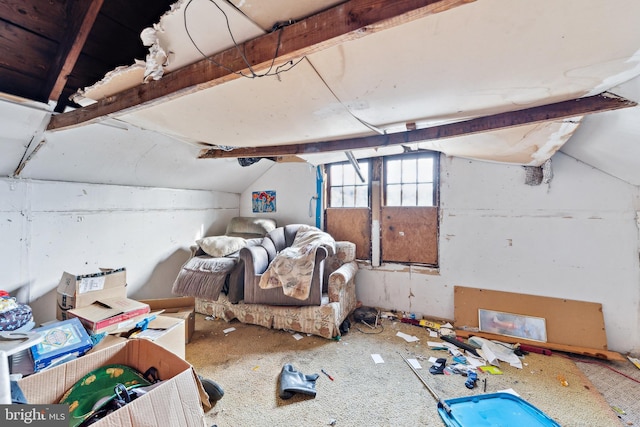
[(347, 21), (557, 111)]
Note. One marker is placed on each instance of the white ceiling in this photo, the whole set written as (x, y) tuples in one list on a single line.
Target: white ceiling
[(481, 58)]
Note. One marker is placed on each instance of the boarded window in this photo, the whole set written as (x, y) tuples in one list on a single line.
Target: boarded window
[(401, 196)]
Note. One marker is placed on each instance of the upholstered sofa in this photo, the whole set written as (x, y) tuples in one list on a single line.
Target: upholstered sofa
[(215, 266), (330, 300)]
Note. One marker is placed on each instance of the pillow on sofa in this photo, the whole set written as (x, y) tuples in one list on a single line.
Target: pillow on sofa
[(221, 246)]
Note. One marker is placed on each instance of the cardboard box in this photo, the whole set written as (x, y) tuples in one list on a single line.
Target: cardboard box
[(61, 340), (179, 307), (105, 315), (165, 331), (79, 291), (177, 402)]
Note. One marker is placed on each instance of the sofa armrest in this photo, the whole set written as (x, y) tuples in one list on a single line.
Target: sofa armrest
[(255, 258), (340, 279)]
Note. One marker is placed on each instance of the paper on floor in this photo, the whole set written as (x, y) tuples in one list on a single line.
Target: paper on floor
[(407, 338)]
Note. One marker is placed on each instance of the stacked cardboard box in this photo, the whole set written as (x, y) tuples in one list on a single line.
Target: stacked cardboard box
[(99, 300)]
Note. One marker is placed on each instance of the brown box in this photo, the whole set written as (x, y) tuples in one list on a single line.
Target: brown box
[(178, 401), (165, 331), (108, 314), (75, 291), (180, 307)]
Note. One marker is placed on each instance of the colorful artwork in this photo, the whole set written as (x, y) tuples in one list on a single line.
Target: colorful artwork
[(264, 201)]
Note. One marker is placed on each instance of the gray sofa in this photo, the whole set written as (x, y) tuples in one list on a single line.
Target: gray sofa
[(257, 258), (206, 275)]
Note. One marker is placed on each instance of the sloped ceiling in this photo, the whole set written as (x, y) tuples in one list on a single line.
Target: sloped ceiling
[(463, 60)]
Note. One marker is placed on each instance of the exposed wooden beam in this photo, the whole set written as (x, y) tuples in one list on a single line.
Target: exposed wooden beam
[(81, 17), (347, 21), (544, 113)]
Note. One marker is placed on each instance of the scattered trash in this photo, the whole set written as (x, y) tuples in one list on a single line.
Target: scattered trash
[(635, 361), (472, 377), (438, 367), (332, 422), (210, 318), (618, 410), (493, 370), (325, 372), (226, 331), (407, 337), (298, 337), (377, 358), (562, 380)]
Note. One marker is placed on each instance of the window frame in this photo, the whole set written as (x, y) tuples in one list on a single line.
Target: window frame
[(388, 224)]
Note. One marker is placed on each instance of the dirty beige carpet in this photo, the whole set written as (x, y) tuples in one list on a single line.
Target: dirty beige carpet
[(246, 362)]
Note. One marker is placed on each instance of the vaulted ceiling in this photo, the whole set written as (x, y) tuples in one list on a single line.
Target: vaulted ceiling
[(499, 80)]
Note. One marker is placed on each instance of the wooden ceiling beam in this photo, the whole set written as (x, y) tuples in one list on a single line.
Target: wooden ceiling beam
[(347, 21), (81, 17), (557, 111)]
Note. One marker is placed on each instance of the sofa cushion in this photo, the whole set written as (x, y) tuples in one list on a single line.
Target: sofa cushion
[(221, 246)]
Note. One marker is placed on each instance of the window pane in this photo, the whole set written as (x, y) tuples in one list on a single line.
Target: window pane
[(348, 195), (393, 195), (408, 194), (409, 170), (348, 175), (364, 168), (336, 175), (336, 197), (362, 199), (425, 194), (394, 168), (425, 170)]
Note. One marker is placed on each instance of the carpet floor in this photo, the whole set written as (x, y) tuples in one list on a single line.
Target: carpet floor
[(246, 360)]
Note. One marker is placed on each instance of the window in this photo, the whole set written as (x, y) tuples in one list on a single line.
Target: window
[(346, 189), (397, 202), (409, 181)]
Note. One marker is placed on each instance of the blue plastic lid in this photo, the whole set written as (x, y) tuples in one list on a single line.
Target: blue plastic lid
[(493, 410)]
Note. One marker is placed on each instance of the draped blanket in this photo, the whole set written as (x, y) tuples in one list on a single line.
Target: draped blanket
[(292, 268), (203, 277)]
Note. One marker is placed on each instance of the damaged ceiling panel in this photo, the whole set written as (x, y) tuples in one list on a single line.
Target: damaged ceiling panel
[(444, 67), (291, 107)]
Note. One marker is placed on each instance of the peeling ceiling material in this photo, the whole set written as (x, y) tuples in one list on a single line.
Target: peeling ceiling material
[(50, 49), (368, 84), (358, 69)]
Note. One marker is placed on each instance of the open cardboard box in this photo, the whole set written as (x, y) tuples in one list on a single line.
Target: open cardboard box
[(180, 307), (178, 401), (75, 291), (166, 331)]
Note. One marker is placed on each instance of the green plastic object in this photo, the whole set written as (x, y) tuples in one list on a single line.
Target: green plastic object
[(96, 389)]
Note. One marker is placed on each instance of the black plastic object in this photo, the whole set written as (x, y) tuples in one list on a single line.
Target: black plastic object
[(438, 367), (292, 381), (212, 388), (460, 344)]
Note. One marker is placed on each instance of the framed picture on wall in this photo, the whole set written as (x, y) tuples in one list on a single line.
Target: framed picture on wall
[(513, 325), (263, 201)]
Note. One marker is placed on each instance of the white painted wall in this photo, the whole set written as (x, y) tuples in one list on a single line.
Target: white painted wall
[(576, 238), (50, 227), (294, 184)]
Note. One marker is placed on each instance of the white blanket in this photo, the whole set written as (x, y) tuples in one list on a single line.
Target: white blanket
[(292, 268)]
